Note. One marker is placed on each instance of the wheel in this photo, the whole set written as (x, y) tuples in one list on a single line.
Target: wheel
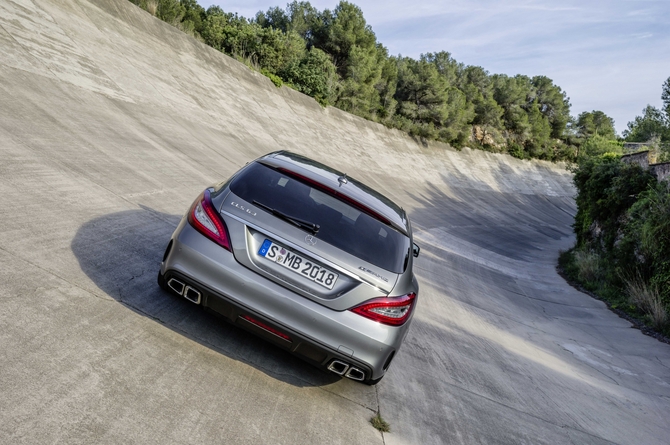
[(162, 283)]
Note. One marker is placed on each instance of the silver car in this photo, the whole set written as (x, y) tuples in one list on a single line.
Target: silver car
[(303, 256)]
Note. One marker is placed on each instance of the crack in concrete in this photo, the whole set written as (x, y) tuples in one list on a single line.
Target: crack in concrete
[(531, 415), (661, 363), (589, 365), (177, 329), (216, 348), (379, 411), (136, 276), (51, 272)]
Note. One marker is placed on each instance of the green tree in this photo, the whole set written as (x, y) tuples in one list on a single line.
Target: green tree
[(541, 131), (170, 11), (595, 123), (313, 75), (511, 94), (339, 31), (358, 92), (665, 96), (652, 124), (448, 68), (386, 86), (597, 145), (194, 16), (427, 104), (607, 188), (476, 84), (299, 17), (552, 102), (334, 56)]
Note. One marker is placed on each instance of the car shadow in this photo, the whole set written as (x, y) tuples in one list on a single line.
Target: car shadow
[(121, 253)]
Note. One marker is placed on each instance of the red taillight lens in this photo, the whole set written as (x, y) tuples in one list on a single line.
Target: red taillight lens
[(206, 220), (265, 327), (392, 311)]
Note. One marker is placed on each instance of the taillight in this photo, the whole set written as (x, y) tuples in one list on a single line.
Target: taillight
[(206, 220), (392, 311)]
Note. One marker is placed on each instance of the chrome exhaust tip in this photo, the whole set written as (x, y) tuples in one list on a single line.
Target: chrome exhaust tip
[(355, 374), (192, 295), (338, 367), (176, 285)]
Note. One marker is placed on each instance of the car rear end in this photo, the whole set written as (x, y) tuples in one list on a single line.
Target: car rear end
[(290, 251)]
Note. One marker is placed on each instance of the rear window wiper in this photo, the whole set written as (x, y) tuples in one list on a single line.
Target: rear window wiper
[(310, 226)]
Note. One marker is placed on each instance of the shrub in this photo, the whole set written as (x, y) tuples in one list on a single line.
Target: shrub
[(273, 77), (607, 188), (588, 265), (647, 298), (313, 75)]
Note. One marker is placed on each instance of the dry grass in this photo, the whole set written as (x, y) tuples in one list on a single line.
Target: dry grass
[(250, 60), (380, 424), (588, 266), (648, 299), (152, 6)]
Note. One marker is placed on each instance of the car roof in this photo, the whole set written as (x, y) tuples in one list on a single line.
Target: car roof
[(332, 179)]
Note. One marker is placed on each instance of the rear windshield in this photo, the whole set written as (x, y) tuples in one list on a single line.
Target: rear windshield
[(341, 224)]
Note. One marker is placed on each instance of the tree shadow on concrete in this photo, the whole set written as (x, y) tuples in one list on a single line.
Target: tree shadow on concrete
[(514, 225), (121, 253)]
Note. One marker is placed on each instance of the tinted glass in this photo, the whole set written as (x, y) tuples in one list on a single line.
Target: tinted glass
[(342, 225)]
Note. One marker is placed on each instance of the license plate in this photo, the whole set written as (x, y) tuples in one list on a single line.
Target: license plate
[(298, 264)]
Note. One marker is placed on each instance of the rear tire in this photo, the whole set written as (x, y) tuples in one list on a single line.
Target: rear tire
[(371, 382), (162, 283)]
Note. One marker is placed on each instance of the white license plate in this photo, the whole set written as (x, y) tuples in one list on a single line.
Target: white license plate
[(298, 264)]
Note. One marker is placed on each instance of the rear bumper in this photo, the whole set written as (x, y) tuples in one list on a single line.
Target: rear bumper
[(317, 334)]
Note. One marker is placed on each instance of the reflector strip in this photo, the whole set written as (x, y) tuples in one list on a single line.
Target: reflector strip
[(265, 327)]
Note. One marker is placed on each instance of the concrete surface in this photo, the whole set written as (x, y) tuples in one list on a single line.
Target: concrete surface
[(111, 123)]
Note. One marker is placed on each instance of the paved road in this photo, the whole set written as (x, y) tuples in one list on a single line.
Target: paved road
[(111, 122)]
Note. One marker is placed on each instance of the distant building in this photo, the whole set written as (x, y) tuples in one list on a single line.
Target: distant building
[(630, 147), (641, 158)]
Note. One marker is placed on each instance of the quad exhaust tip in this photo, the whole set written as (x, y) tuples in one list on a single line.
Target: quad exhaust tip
[(176, 285), (355, 374), (344, 369), (192, 295), (338, 367), (185, 291)]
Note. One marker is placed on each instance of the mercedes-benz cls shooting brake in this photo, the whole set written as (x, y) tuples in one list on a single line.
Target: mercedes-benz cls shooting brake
[(303, 256)]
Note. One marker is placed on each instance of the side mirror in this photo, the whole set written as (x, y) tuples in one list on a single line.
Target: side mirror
[(415, 250)]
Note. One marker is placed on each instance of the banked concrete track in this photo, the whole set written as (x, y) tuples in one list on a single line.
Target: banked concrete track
[(111, 122)]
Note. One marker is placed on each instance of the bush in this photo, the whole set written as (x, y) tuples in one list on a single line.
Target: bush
[(647, 298), (598, 145), (588, 265), (623, 237), (647, 237), (607, 188), (273, 77), (313, 75)]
